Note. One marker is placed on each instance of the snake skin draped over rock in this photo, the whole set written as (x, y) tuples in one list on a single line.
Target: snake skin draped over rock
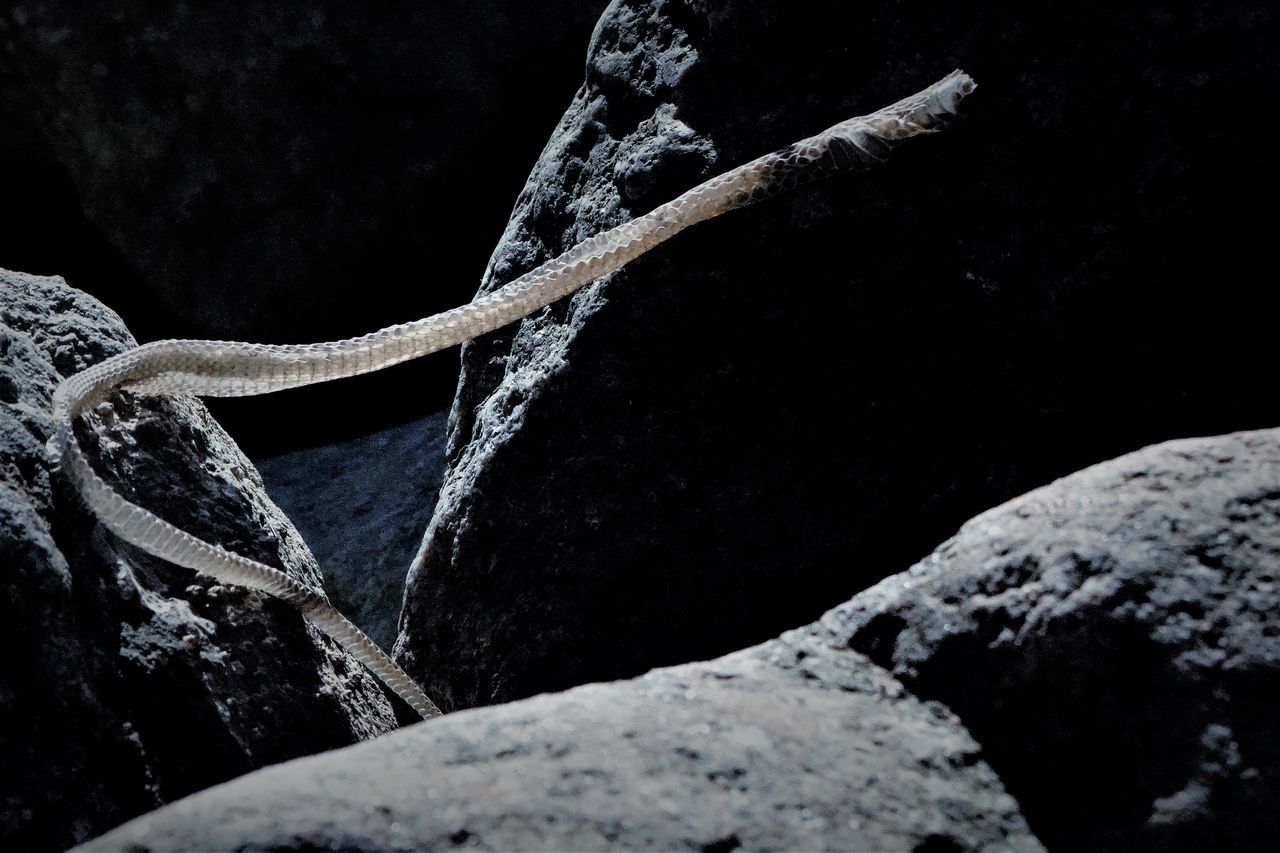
[(232, 369)]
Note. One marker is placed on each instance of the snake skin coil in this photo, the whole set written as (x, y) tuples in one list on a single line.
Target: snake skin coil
[(232, 369)]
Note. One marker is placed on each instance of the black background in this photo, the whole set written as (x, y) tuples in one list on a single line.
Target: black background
[(420, 123)]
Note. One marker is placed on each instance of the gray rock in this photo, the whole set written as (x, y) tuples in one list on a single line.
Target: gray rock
[(782, 407), (362, 506), (1113, 641), (126, 682), (794, 745)]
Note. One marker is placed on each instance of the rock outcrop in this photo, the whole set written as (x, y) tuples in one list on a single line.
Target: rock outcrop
[(788, 404), (794, 745), (1113, 641), (126, 682)]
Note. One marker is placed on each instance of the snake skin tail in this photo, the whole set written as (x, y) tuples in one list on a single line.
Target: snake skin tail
[(232, 368)]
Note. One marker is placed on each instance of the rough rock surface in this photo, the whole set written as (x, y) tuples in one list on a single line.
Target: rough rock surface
[(361, 506), (794, 745), (684, 460), (126, 682), (1113, 641)]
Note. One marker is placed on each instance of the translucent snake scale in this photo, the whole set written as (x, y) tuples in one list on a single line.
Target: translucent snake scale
[(229, 369)]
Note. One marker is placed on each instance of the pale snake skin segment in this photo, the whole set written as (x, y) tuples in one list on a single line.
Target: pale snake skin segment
[(233, 369)]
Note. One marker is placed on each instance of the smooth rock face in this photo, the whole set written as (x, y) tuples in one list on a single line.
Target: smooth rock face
[(781, 407), (361, 506), (1113, 641), (126, 682), (794, 745)]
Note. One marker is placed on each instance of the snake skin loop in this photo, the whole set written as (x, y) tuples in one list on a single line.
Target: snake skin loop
[(233, 369)]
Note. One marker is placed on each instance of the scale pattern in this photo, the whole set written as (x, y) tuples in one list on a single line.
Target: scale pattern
[(233, 369)]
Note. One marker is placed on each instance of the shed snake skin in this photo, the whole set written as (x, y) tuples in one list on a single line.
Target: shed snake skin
[(232, 369)]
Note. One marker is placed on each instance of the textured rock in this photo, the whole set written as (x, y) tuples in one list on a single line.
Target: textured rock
[(362, 506), (705, 442), (126, 682), (1113, 641), (794, 745)]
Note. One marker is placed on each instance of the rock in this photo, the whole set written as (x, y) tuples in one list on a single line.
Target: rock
[(794, 745), (781, 407), (1112, 642), (361, 506), (126, 682)]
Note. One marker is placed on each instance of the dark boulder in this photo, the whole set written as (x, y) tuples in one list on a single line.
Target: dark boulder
[(793, 745), (1113, 642), (781, 407), (126, 682)]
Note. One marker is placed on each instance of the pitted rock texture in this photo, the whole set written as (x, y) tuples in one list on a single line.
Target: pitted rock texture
[(126, 682), (794, 745), (362, 506), (687, 458), (1113, 641)]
